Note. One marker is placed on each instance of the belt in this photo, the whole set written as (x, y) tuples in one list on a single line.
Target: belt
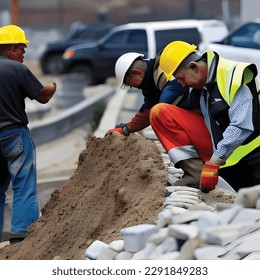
[(11, 126)]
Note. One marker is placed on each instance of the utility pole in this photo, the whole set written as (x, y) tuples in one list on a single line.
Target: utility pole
[(15, 12), (192, 8), (225, 11)]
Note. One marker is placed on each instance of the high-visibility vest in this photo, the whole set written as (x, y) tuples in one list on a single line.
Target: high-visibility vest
[(230, 75)]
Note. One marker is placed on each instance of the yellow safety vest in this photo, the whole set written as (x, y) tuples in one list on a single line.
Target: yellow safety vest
[(229, 77)]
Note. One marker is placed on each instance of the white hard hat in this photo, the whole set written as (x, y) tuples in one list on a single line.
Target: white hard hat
[(123, 64)]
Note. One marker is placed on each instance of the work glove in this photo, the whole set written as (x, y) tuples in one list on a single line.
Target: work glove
[(118, 129), (121, 128), (209, 177)]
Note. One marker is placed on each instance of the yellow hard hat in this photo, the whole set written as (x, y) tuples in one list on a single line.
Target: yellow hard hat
[(12, 34), (172, 56)]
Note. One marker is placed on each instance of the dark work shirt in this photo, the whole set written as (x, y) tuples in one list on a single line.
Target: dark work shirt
[(16, 83), (171, 91)]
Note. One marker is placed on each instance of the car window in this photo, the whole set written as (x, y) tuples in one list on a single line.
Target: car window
[(248, 36), (137, 39), (101, 33), (86, 34), (91, 33), (164, 37), (116, 39), (128, 39)]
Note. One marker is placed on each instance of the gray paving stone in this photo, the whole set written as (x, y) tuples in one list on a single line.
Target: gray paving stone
[(172, 179), (185, 205), (166, 159), (159, 237), (246, 215), (224, 234), (202, 206), (107, 254), (249, 246), (207, 220), (255, 234), (187, 217), (252, 256), (176, 210), (173, 170), (170, 244), (169, 256), (124, 256), (94, 249), (145, 252), (164, 218), (209, 252), (182, 188), (188, 197), (226, 216), (117, 245), (248, 197), (185, 192), (136, 237), (183, 199), (183, 231)]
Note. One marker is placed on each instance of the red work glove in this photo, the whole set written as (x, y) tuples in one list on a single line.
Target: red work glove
[(209, 177), (118, 129)]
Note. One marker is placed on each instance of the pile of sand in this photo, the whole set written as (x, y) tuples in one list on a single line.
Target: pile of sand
[(119, 182)]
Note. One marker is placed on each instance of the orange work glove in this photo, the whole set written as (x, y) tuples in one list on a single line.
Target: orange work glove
[(209, 177), (118, 129), (121, 128)]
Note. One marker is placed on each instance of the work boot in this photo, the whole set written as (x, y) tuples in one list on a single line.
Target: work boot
[(192, 168), (16, 238)]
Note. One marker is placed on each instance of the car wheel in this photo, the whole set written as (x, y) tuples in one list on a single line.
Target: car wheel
[(87, 71), (53, 64)]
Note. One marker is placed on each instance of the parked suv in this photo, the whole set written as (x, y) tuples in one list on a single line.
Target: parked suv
[(242, 44), (97, 59), (51, 57)]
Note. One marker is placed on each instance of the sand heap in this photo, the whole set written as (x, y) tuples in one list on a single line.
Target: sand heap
[(119, 182)]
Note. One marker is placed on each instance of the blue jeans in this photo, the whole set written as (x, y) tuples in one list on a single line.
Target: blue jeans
[(18, 166)]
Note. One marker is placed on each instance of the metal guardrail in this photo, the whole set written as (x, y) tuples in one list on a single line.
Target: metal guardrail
[(57, 126)]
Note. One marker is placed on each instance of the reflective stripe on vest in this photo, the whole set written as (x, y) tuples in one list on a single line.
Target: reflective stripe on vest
[(242, 151)]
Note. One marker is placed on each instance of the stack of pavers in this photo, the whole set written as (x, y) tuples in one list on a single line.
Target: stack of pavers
[(188, 228)]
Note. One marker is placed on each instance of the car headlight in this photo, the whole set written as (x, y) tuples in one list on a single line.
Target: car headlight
[(68, 54)]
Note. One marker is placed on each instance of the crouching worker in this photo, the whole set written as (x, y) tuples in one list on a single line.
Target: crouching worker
[(229, 102)]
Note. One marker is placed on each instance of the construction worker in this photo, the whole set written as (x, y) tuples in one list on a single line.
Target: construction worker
[(229, 102), (17, 150), (132, 70)]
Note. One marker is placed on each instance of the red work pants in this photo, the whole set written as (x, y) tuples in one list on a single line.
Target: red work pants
[(182, 133)]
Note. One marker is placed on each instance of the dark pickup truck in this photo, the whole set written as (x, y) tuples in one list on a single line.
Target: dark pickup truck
[(51, 57)]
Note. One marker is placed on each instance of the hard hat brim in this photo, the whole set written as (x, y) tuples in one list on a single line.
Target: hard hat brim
[(14, 43)]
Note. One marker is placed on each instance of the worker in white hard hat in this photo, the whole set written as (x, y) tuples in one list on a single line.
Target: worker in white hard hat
[(17, 150), (132, 70)]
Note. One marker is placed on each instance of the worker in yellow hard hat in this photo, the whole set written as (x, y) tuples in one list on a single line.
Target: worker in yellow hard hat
[(12, 35), (229, 101), (17, 150)]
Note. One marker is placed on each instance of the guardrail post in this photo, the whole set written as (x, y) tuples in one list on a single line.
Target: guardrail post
[(70, 90)]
